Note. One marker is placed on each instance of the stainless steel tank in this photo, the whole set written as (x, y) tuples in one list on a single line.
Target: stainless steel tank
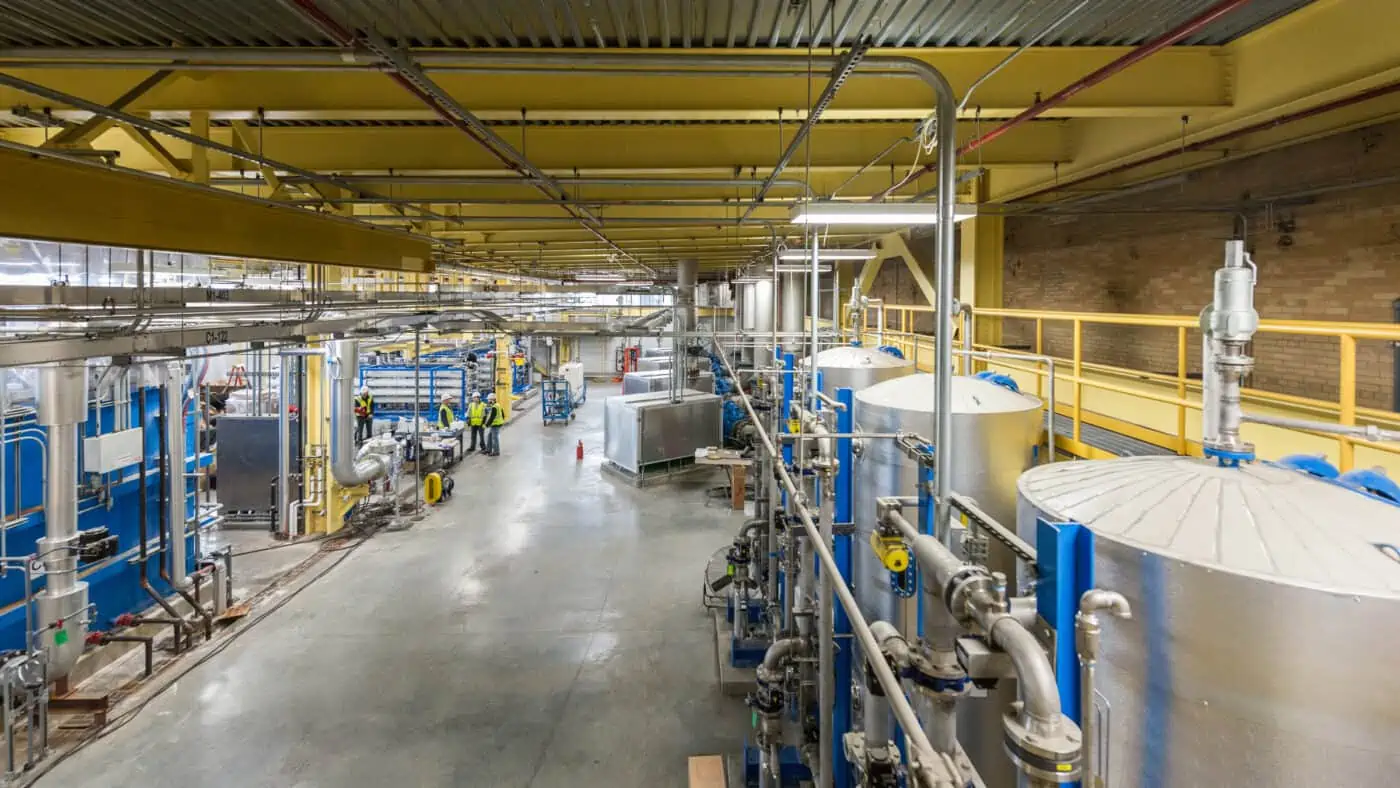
[(762, 327), (856, 367), (1262, 648), (995, 431)]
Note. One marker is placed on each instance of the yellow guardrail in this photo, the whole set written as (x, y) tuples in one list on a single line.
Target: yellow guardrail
[(1151, 406)]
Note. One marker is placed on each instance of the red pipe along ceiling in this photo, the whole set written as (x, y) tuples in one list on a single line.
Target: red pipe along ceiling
[(1187, 28)]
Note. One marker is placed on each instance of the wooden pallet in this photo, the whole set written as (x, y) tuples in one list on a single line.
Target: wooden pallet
[(707, 771)]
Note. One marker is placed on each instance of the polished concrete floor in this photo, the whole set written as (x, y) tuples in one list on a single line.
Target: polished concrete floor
[(543, 628)]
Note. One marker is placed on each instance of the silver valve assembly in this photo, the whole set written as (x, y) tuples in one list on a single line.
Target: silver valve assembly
[(1227, 326)]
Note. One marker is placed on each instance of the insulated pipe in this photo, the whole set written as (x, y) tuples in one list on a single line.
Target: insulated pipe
[(175, 478), (172, 498), (929, 768), (686, 272), (792, 307), (344, 362), (62, 605)]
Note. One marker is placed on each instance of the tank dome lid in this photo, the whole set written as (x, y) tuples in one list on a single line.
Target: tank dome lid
[(970, 395), (1259, 520), (860, 357)]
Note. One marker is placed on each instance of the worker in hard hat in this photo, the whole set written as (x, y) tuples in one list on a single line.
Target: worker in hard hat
[(364, 415), (495, 417), (445, 415), (476, 420)]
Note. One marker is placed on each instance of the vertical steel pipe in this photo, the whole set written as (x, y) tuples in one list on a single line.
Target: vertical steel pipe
[(63, 603), (175, 479)]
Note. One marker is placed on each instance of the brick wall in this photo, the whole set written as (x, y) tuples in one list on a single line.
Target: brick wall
[(1333, 256)]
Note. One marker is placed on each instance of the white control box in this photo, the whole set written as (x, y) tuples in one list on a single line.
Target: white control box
[(112, 452)]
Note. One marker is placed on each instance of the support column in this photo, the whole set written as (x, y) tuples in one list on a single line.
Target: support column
[(980, 266), (199, 155), (335, 499)]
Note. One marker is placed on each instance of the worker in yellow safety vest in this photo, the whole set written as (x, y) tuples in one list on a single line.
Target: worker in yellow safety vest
[(445, 414), (495, 417), (476, 420), (364, 415)]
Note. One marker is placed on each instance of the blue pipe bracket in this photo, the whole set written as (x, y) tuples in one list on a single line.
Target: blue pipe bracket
[(1065, 564)]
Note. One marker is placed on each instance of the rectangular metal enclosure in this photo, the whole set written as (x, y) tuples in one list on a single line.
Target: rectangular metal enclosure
[(246, 456), (646, 429), (660, 380)]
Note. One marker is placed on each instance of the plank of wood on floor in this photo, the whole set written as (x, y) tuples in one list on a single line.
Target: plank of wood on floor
[(707, 771)]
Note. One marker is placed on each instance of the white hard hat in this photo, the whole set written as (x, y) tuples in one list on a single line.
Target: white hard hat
[(364, 389), (476, 395), (491, 397)]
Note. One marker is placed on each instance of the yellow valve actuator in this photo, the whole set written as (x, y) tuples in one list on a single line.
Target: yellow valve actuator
[(891, 551)]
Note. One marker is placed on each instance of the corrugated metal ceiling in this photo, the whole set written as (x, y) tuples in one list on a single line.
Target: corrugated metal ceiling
[(619, 23)]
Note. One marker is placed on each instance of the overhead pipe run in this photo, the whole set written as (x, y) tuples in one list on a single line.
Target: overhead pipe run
[(344, 361), (1132, 58)]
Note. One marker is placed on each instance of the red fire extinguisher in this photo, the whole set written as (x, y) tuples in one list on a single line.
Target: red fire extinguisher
[(578, 453)]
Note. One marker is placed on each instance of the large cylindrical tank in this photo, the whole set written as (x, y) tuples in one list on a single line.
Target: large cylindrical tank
[(763, 317), (855, 367), (995, 431), (1261, 652)]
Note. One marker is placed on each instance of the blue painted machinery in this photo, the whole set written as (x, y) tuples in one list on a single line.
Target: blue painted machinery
[(110, 507), (394, 388)]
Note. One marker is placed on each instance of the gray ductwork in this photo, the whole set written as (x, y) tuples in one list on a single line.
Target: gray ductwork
[(344, 362), (62, 407)]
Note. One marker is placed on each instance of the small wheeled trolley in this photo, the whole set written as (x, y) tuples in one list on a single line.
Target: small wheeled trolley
[(556, 401)]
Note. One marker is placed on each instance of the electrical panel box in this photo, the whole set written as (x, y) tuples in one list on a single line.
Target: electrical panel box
[(112, 452)]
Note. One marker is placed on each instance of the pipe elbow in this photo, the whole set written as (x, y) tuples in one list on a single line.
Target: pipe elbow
[(781, 651), (1096, 599), (1033, 670), (891, 641)]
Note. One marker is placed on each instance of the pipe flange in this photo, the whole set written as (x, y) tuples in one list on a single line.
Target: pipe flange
[(1055, 756), (961, 586)]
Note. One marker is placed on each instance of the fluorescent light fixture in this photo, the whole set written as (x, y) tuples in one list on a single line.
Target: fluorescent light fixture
[(896, 213), (827, 254), (599, 277), (797, 269)]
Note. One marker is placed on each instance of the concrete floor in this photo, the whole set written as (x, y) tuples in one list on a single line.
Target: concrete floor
[(544, 628)]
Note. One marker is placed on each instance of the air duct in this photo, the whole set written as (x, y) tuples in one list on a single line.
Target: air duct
[(62, 605), (344, 361)]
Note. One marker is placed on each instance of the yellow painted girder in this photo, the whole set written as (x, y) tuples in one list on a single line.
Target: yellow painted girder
[(1182, 77), (609, 147), (1325, 51), (62, 200)]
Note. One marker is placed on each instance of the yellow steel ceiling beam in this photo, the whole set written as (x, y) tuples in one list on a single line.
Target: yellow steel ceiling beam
[(655, 148), (245, 139), (175, 168), (93, 125), (62, 200), (1195, 78), (1324, 52)]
